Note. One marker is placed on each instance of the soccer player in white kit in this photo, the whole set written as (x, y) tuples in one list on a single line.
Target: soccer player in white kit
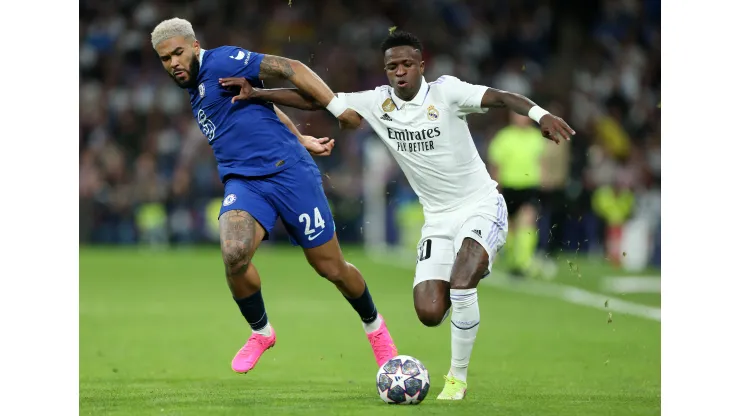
[(423, 124)]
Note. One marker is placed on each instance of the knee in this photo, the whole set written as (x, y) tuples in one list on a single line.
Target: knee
[(333, 271), (236, 259), (431, 314)]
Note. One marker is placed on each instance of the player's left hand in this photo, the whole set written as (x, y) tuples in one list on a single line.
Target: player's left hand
[(318, 147), (555, 128)]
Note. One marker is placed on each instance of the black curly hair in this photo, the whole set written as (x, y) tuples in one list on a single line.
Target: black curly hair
[(400, 38)]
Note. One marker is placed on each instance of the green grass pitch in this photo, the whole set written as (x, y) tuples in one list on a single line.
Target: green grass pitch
[(158, 330)]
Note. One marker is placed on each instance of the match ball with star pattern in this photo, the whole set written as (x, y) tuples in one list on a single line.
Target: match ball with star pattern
[(403, 380)]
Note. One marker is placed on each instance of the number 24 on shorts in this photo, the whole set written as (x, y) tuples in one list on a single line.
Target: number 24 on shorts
[(318, 222)]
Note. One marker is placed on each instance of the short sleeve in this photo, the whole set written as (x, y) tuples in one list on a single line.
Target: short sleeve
[(239, 62), (463, 97), (362, 102)]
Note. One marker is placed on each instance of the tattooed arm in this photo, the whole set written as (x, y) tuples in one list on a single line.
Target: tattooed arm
[(277, 67)]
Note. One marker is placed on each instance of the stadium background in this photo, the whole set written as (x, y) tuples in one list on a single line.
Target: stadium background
[(148, 179), (146, 174)]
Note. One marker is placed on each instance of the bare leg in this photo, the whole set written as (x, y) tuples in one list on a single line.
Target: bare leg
[(329, 263), (240, 237)]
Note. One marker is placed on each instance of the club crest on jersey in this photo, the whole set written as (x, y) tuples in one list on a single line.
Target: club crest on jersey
[(432, 113), (202, 90), (388, 105), (230, 199)]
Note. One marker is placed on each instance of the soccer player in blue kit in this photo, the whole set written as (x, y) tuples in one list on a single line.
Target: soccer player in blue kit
[(268, 173)]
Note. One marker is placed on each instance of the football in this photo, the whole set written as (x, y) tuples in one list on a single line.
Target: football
[(403, 380)]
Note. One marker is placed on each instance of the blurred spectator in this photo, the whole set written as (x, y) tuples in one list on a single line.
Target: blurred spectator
[(147, 174)]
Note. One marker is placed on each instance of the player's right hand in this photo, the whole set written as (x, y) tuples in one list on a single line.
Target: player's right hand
[(245, 88)]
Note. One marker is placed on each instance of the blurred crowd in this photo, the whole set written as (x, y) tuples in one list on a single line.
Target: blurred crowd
[(147, 173)]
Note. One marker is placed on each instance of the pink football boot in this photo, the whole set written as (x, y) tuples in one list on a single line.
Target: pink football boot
[(251, 352), (382, 343)]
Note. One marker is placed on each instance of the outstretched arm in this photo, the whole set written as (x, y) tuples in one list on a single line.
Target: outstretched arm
[(278, 67), (289, 97), (518, 103), (553, 127), (470, 98)]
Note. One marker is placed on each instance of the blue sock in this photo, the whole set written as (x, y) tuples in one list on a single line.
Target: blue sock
[(253, 310), (364, 306)]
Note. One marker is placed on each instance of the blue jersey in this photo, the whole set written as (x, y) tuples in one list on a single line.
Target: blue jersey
[(247, 137)]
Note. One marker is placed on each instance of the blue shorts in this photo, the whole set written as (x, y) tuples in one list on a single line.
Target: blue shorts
[(295, 194)]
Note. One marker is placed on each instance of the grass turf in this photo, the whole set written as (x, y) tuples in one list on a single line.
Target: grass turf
[(158, 330)]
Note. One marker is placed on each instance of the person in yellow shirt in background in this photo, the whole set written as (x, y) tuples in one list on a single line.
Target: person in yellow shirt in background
[(515, 162), (554, 201)]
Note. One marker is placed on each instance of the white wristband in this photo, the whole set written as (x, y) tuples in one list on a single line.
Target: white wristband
[(536, 113), (337, 106)]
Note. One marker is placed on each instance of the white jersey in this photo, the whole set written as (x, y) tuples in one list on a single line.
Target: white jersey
[(430, 139)]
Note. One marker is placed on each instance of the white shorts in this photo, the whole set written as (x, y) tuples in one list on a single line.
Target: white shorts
[(442, 236)]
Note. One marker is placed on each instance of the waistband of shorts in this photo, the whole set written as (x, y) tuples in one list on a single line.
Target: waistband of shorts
[(489, 193)]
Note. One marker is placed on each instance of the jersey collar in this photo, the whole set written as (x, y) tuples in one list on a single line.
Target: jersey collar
[(418, 100), (202, 54)]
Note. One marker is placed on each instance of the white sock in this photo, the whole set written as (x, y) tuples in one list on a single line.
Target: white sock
[(266, 331), (373, 326), (465, 319)]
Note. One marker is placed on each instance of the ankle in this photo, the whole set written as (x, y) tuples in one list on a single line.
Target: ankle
[(460, 373), (265, 331), (374, 325)]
